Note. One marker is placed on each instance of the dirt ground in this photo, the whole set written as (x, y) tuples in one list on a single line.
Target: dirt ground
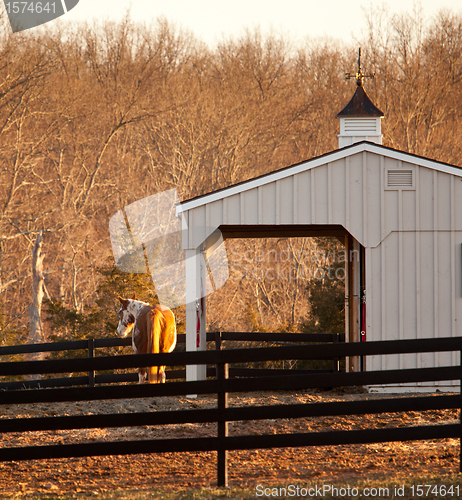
[(338, 464)]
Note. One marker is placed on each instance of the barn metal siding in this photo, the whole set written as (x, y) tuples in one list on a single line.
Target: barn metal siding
[(412, 234)]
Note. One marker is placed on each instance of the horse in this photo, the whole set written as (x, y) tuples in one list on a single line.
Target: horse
[(153, 330)]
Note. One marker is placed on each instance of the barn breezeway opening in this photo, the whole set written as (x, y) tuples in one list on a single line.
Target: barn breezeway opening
[(305, 279)]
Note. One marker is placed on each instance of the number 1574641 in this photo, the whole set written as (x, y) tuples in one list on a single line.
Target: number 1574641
[(30, 7)]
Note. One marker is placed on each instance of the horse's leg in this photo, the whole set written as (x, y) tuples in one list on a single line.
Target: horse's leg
[(161, 376), (153, 374), (142, 375)]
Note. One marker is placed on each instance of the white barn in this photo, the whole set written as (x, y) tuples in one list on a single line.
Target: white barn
[(401, 213)]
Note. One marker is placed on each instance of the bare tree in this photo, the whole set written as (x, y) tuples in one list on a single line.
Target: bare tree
[(35, 320)]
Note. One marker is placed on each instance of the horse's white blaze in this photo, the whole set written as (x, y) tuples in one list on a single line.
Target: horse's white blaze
[(123, 331)]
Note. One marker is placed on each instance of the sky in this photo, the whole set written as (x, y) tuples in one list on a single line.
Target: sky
[(210, 20)]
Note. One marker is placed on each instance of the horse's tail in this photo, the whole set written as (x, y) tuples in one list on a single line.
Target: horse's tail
[(155, 328), (161, 338)]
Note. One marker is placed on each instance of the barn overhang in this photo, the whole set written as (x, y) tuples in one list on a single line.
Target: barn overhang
[(288, 230)]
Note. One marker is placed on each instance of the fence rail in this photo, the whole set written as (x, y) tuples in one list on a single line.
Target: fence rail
[(223, 414), (181, 339), (91, 345), (319, 351)]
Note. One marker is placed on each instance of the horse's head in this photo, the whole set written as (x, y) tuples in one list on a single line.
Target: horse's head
[(126, 317)]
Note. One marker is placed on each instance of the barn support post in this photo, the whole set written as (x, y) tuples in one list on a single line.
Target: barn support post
[(195, 310), (352, 289), (362, 304)]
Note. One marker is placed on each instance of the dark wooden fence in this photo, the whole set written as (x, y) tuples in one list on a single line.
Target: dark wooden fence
[(216, 338), (223, 414)]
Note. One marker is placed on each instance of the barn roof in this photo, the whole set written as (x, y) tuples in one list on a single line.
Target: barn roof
[(314, 162)]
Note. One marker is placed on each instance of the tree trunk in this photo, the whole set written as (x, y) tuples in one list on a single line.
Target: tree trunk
[(35, 323)]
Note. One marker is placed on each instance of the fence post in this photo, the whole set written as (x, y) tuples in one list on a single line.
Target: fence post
[(91, 354), (460, 416), (218, 341), (335, 361), (222, 454)]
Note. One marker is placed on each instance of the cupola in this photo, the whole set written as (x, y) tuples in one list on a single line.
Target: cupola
[(360, 119)]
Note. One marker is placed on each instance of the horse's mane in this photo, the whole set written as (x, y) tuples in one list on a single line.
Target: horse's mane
[(145, 309)]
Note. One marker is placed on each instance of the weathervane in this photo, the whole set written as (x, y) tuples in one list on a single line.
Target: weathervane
[(359, 76)]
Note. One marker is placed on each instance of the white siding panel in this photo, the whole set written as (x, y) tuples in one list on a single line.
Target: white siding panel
[(418, 260), (409, 283), (321, 215), (338, 190), (197, 219), (269, 203), (443, 274), (372, 209), (286, 204), (409, 273), (391, 163), (435, 256), (444, 293), (458, 283), (391, 297), (391, 205), (427, 284), (374, 296), (458, 203), (457, 256), (356, 202), (216, 213), (250, 215), (390, 262), (374, 311), (444, 202), (184, 230), (303, 203), (425, 190), (233, 209), (409, 210)]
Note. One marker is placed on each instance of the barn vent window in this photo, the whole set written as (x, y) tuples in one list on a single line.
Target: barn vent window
[(399, 178), (361, 125)]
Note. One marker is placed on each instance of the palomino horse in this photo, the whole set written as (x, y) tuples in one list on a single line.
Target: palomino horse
[(153, 330)]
